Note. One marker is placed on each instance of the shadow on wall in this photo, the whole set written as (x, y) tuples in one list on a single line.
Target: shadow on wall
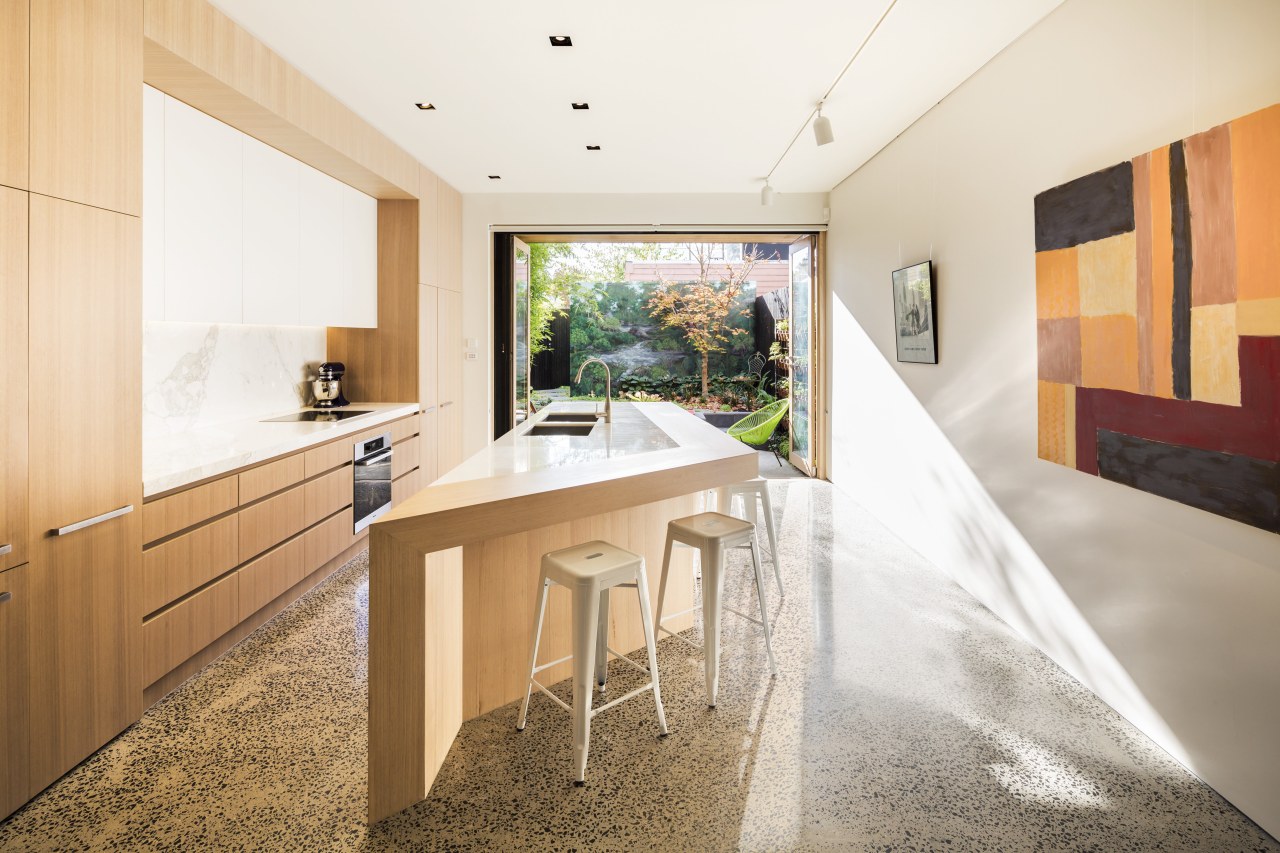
[(889, 454)]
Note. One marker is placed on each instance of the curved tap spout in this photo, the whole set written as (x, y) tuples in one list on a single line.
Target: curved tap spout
[(608, 386)]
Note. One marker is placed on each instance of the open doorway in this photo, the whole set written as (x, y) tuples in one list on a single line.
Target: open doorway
[(722, 325)]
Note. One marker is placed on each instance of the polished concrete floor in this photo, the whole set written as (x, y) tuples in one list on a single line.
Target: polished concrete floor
[(905, 717)]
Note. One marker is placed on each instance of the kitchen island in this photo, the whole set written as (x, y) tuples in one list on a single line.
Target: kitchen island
[(453, 571)]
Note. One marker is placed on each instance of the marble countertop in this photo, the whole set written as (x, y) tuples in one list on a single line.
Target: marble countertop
[(522, 449), (172, 461), (523, 481)]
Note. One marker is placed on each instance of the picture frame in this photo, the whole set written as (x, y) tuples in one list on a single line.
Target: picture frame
[(915, 323)]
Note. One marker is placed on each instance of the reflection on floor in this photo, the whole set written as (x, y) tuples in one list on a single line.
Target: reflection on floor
[(905, 717)]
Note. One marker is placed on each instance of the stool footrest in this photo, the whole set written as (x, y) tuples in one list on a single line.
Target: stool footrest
[(634, 693), (554, 697), (744, 616), (637, 667), (680, 637), (538, 669)]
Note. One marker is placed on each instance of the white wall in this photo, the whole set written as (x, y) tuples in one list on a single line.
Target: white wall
[(1171, 614), (482, 212)]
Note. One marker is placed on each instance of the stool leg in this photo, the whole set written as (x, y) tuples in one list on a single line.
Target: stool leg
[(586, 610), (533, 656), (764, 614), (642, 589), (712, 588), (662, 583), (771, 529), (602, 640)]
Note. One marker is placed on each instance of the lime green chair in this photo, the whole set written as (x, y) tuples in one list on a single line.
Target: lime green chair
[(757, 429)]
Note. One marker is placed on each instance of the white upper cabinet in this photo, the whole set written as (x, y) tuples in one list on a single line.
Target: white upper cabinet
[(360, 254), (203, 217), (235, 231), (152, 204), (272, 229), (321, 263)]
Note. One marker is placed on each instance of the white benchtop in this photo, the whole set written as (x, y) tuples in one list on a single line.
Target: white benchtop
[(172, 461)]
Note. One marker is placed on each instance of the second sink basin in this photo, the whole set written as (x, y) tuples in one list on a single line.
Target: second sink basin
[(576, 417), (561, 429)]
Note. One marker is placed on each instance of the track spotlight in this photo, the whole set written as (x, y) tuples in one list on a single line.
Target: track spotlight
[(766, 194), (822, 128)]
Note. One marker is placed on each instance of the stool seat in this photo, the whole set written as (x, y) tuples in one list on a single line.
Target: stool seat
[(708, 528), (591, 563)]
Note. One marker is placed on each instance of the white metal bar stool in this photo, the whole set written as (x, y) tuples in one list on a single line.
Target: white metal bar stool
[(749, 493), (589, 571), (712, 533)]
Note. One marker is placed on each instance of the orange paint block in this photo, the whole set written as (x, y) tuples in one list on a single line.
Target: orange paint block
[(1057, 284), (1255, 170), (1109, 352), (1057, 423), (1215, 355)]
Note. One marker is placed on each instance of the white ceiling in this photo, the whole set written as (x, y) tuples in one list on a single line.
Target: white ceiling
[(687, 96)]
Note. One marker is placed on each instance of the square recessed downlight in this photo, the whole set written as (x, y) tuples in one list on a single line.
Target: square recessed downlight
[(495, 177), (580, 105), (561, 41), (425, 106), (593, 147)]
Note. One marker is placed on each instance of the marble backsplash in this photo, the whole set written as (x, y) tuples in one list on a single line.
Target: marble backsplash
[(196, 375)]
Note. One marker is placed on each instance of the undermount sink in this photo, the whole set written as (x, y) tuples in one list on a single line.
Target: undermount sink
[(576, 417), (562, 429)]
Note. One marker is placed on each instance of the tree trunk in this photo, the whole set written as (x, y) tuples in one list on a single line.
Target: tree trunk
[(705, 359)]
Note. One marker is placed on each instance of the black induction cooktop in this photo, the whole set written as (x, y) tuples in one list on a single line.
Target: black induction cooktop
[(321, 415)]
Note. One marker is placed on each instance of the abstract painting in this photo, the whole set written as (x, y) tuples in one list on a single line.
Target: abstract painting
[(1158, 321)]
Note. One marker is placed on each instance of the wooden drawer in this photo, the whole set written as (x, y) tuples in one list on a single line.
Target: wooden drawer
[(327, 495), (404, 457), (184, 629), (272, 477), (171, 570), (404, 428), (272, 521), (271, 574), (329, 456), (407, 485), (184, 509), (326, 541)]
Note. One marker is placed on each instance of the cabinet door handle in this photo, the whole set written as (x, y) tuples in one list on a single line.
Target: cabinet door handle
[(428, 410), (5, 549), (450, 403), (90, 522), (5, 596)]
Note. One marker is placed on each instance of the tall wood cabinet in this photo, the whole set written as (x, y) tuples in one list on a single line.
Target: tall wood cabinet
[(449, 343), (86, 109), (85, 316), (13, 378), (15, 39)]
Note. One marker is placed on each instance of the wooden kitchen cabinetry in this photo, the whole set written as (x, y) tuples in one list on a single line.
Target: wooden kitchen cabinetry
[(15, 672), (13, 378), (449, 343), (223, 556), (15, 39), (428, 228), (86, 102), (449, 229), (84, 312)]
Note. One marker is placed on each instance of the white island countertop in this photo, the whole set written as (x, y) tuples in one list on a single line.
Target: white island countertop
[(173, 461)]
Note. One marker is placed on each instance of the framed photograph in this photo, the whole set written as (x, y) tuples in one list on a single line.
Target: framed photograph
[(917, 334)]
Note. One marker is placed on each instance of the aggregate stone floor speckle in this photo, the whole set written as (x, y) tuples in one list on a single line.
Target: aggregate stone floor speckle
[(905, 717)]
